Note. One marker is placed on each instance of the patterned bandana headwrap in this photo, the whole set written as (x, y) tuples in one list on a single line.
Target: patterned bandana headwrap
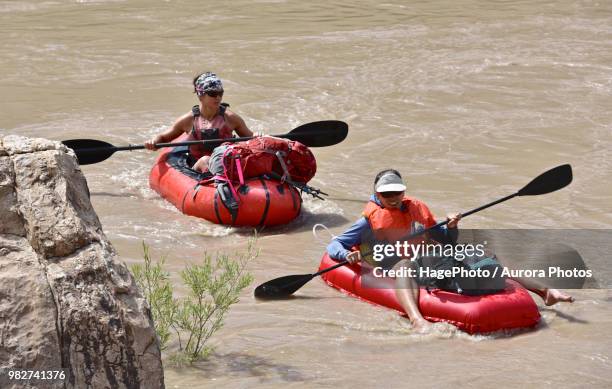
[(208, 82)]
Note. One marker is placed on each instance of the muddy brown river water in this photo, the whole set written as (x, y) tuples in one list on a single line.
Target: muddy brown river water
[(468, 99)]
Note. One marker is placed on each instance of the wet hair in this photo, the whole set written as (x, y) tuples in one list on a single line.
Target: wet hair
[(383, 172)]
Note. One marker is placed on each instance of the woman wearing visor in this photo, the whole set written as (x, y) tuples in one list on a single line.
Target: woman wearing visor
[(388, 217)]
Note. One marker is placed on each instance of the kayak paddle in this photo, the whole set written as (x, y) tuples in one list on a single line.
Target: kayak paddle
[(549, 181), (316, 134)]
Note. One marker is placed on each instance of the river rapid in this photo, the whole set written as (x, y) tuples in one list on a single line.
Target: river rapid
[(468, 99)]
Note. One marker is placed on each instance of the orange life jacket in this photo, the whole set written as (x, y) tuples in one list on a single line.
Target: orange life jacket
[(391, 224)]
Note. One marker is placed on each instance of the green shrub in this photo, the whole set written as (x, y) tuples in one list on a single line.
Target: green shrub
[(213, 287), (157, 289)]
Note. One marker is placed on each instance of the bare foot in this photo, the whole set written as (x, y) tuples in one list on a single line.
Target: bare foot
[(554, 296), (421, 325)]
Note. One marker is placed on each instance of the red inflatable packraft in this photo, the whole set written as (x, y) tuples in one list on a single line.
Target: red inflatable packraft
[(511, 308), (263, 202)]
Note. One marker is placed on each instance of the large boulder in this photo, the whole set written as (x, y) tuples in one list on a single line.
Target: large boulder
[(66, 302)]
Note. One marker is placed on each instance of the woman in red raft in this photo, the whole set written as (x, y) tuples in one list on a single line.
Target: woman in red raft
[(387, 217), (177, 177)]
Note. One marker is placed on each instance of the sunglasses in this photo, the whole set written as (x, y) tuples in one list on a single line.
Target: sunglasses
[(214, 93), (388, 195)]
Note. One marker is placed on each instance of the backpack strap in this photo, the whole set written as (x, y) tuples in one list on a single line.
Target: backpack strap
[(314, 192), (281, 159), (239, 169), (223, 108), (195, 110), (225, 176)]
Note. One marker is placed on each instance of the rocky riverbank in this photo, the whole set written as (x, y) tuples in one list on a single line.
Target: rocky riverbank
[(66, 301)]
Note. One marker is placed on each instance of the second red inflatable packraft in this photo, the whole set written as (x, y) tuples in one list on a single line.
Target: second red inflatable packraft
[(511, 308)]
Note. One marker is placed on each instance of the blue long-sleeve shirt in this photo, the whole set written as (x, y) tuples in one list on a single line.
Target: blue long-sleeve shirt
[(340, 246)]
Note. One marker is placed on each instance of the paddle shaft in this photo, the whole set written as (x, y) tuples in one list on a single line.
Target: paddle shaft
[(204, 142), (316, 134), (492, 203), (339, 264), (463, 214), (175, 144)]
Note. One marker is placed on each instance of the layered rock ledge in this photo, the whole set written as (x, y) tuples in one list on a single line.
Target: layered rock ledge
[(66, 301)]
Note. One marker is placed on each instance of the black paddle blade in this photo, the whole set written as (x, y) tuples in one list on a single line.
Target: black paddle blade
[(319, 134), (549, 181), (282, 287), (89, 151)]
